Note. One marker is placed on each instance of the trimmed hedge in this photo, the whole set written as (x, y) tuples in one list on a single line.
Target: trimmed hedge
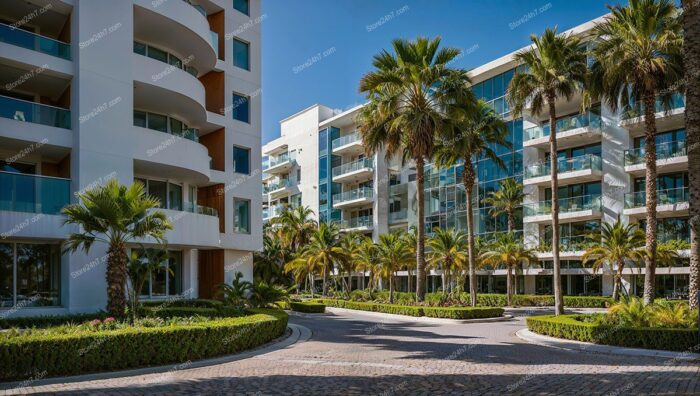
[(462, 312), (188, 303), (67, 354), (374, 307), (171, 312), (524, 300), (307, 307), (573, 327), (49, 321)]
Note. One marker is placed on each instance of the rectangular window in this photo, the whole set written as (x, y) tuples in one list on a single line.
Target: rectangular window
[(157, 54), (175, 61), (241, 54), (140, 119), (6, 275), (167, 281), (242, 6), (298, 174), (139, 48), (158, 189), (175, 196), (241, 220), (241, 108), (158, 122), (241, 160), (38, 275)]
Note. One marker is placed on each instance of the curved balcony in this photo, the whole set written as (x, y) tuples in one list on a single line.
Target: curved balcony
[(362, 169), (671, 202), (352, 198), (632, 117), (579, 169), (166, 89), (188, 30), (585, 207), (191, 229), (571, 131), (670, 157), (170, 156)]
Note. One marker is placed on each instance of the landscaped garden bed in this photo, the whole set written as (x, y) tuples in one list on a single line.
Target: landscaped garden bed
[(307, 306), (416, 310), (108, 344)]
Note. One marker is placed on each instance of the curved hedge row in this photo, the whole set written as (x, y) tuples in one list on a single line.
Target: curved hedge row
[(571, 328), (307, 307), (92, 351), (415, 310)]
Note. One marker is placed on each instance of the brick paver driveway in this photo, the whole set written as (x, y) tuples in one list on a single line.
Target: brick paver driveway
[(358, 354)]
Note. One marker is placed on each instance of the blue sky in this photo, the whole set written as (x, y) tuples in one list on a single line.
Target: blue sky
[(315, 51)]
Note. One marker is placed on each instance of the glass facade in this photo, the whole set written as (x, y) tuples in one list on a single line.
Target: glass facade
[(168, 280), (326, 187), (30, 275)]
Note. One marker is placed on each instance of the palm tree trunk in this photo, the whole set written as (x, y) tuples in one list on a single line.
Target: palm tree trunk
[(391, 290), (509, 285), (558, 295), (691, 49), (116, 279), (420, 240), (468, 177), (618, 280), (650, 162), (511, 227)]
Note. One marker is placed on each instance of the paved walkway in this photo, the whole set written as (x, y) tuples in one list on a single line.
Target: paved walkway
[(357, 354)]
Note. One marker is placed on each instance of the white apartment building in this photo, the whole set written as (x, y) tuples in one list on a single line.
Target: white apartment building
[(162, 92), (601, 177)]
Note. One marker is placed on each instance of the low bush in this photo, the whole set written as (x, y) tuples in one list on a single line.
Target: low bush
[(22, 356), (307, 307), (49, 321), (174, 312), (184, 303), (587, 328), (375, 307), (462, 312), (519, 300)]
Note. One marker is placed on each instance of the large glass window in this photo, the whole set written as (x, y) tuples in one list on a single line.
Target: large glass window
[(169, 194), (157, 54), (242, 6), (159, 189), (38, 274), (241, 108), (241, 210), (167, 281), (241, 160), (241, 54), (158, 122)]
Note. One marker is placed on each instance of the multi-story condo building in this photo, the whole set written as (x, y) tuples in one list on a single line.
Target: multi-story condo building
[(162, 92), (319, 162)]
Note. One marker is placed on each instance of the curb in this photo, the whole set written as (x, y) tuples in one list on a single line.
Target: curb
[(580, 346), (425, 319), (293, 334)]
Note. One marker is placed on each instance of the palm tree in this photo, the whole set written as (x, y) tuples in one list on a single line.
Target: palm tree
[(691, 49), (507, 199), (268, 264), (637, 58), (408, 94), (321, 254), (392, 254), (115, 215), (555, 68), (508, 250), (237, 293), (350, 244), (295, 226), (447, 251), (477, 128), (143, 264), (616, 245), (365, 259)]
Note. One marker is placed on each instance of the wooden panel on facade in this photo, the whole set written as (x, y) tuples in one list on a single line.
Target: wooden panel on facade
[(215, 143), (211, 272), (213, 197)]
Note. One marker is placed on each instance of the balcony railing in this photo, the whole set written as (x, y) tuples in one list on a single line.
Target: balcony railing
[(33, 193), (214, 39), (347, 139), (22, 38), (587, 119), (566, 205), (357, 222), (200, 209), (363, 163), (401, 215), (280, 159), (663, 197), (273, 211), (583, 162), (567, 244), (277, 186), (637, 110), (352, 195), (664, 151), (37, 113), (197, 7)]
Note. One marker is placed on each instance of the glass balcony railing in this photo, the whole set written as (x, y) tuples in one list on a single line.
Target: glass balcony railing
[(664, 151), (357, 222), (197, 7), (583, 162), (663, 197), (395, 217), (347, 139), (567, 244), (587, 119), (22, 38), (33, 193), (352, 195), (200, 209), (363, 163), (274, 211), (566, 205), (277, 186), (37, 113), (214, 39), (279, 160), (637, 110)]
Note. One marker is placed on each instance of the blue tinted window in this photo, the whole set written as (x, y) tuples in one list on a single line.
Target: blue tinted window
[(242, 6), (241, 160), (488, 90), (241, 54), (241, 108)]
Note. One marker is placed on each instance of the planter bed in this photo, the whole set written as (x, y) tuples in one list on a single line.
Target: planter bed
[(417, 311)]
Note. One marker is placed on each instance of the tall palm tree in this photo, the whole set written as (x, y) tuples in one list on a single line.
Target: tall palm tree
[(392, 254), (269, 263), (616, 245), (637, 58), (365, 259), (350, 244), (507, 199), (555, 68), (408, 94), (447, 251), (691, 49), (295, 226), (116, 215), (321, 254), (508, 250), (477, 128)]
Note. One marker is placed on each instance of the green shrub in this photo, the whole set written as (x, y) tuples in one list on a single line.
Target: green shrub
[(83, 352), (375, 307), (581, 328), (184, 303), (307, 307), (284, 304), (49, 321), (173, 312), (462, 312)]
